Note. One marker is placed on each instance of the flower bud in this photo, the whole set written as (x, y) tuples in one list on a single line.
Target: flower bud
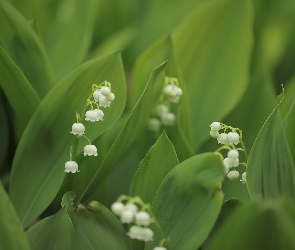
[(154, 124), (161, 109), (232, 175), (159, 248), (96, 95), (168, 119), (244, 178), (131, 207), (110, 97), (233, 154), (215, 126), (233, 137), (147, 234), (142, 218), (117, 208), (222, 138), (214, 133), (126, 216), (105, 90)]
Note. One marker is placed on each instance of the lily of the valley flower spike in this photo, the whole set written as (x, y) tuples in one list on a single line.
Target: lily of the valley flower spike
[(229, 140), (100, 96), (162, 115), (136, 211)]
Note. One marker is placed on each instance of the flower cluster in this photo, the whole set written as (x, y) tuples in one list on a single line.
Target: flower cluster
[(100, 96), (138, 213), (230, 140), (162, 115)]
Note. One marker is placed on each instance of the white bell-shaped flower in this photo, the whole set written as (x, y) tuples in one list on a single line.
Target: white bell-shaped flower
[(215, 126), (110, 97), (167, 89), (117, 208), (154, 124), (105, 90), (136, 232), (142, 218), (90, 150), (160, 248), (91, 115), (147, 234), (226, 165), (104, 102), (126, 216), (174, 99), (233, 154), (232, 175), (161, 109), (231, 162), (100, 114), (244, 178), (168, 119), (71, 166), (78, 129), (233, 137), (96, 95), (131, 207), (214, 133), (222, 138)]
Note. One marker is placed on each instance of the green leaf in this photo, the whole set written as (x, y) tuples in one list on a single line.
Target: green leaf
[(133, 127), (95, 226), (258, 226), (24, 47), (38, 166), (11, 230), (69, 38), (227, 209), (160, 159), (4, 133), (215, 68), (54, 232), (270, 171), (188, 202), (14, 84)]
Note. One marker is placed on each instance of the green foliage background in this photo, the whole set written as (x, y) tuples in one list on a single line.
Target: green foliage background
[(231, 58)]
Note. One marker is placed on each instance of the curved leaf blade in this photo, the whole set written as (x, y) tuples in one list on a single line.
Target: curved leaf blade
[(188, 202), (14, 83), (261, 226), (271, 171), (24, 47), (45, 144), (160, 159), (11, 230), (219, 58)]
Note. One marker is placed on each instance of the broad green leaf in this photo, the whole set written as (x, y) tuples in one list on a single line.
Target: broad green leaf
[(95, 226), (69, 38), (38, 166), (11, 230), (188, 202), (271, 171), (227, 209), (14, 84), (25, 49), (258, 226), (160, 159), (134, 126), (215, 62), (54, 232)]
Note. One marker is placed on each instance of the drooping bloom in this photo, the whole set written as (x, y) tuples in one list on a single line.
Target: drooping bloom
[(71, 166)]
